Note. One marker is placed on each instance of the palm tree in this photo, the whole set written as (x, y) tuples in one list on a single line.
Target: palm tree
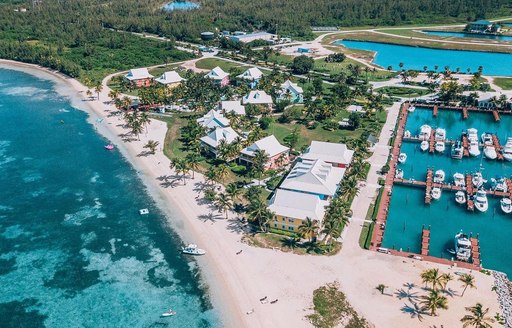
[(144, 120), (151, 145), (467, 280), (477, 318), (193, 161), (88, 93), (432, 276), (211, 175), (348, 188), (224, 203), (98, 88), (259, 161), (434, 301), (445, 279), (381, 288), (233, 191), (222, 172), (308, 228), (332, 230), (181, 167), (258, 212)]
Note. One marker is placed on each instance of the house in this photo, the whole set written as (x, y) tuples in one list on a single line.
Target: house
[(314, 177), (336, 154), (213, 119), (371, 140), (253, 75), (232, 106), (218, 76), (278, 155), (171, 79), (292, 208), (258, 97), (291, 92), (211, 141), (139, 77), (483, 26), (249, 37)]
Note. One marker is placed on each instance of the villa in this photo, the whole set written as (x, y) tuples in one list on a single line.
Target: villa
[(336, 154), (211, 141), (483, 26), (246, 38), (258, 97), (232, 106), (278, 155), (252, 76), (171, 79), (291, 92), (139, 77), (314, 177), (219, 77), (291, 208), (213, 119)]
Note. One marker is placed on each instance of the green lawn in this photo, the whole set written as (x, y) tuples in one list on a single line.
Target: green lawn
[(504, 82), (157, 71), (209, 63), (403, 92), (336, 68), (280, 59)]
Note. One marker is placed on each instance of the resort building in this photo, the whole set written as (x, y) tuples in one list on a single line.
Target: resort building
[(139, 77), (483, 26), (171, 79), (246, 38), (278, 155), (292, 208), (291, 92), (211, 141), (336, 154), (314, 177), (258, 97), (252, 76), (218, 76), (213, 119), (232, 106)]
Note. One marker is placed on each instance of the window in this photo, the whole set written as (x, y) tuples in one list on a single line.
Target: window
[(291, 220), (275, 225), (290, 228), (284, 227)]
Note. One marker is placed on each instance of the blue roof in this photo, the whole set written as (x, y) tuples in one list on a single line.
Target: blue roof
[(482, 22)]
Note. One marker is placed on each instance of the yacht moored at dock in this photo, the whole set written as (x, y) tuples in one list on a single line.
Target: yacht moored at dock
[(460, 197), (439, 176), (436, 193), (457, 150), (506, 205), (462, 247), (402, 158), (425, 132), (459, 180), (480, 200), (424, 145)]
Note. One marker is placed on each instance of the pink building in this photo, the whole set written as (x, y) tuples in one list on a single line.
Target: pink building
[(218, 76), (139, 77)]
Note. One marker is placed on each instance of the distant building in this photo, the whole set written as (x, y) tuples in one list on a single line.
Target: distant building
[(206, 36), (483, 26), (213, 119), (258, 97), (211, 141), (232, 106), (292, 92), (253, 75), (246, 38), (272, 148), (171, 79), (139, 77), (218, 76), (336, 154)]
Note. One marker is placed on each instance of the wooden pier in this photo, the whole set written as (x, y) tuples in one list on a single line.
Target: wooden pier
[(465, 110), (496, 115), (465, 114), (428, 189), (475, 251), (470, 190), (497, 147), (435, 110), (432, 141), (465, 145), (425, 242)]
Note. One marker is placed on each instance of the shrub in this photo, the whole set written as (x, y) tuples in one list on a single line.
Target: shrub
[(265, 122), (302, 64)]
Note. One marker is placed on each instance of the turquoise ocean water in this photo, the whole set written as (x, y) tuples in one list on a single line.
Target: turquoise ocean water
[(408, 213), (74, 252)]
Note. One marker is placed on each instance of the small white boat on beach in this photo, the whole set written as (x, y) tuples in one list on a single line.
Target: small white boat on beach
[(480, 200), (402, 158), (460, 197), (169, 313), (462, 247), (459, 180), (507, 150), (440, 146), (440, 134), (457, 150), (490, 152), (506, 205), (478, 180), (425, 132), (399, 173), (192, 249), (424, 145), (436, 193), (439, 176)]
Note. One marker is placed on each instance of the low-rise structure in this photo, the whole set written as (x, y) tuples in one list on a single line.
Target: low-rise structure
[(232, 106), (278, 155), (336, 154), (213, 119), (139, 77), (171, 79), (218, 76), (249, 37), (258, 97), (211, 141), (291, 92), (483, 26), (252, 76)]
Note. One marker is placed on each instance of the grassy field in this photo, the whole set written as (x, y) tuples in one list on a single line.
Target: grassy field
[(504, 82), (209, 63), (336, 68), (403, 92), (157, 71)]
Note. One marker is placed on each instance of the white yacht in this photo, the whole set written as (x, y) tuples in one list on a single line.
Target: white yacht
[(440, 134), (490, 152), (478, 180), (457, 150), (472, 134), (439, 176), (192, 249), (460, 197), (411, 109), (506, 205), (499, 184), (440, 146), (425, 132), (407, 134), (462, 247), (424, 145), (474, 149), (487, 139), (399, 173), (436, 193), (169, 313), (459, 179), (507, 150), (480, 200), (402, 158)]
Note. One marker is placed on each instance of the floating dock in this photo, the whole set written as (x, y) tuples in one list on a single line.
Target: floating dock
[(435, 110), (465, 145), (496, 115), (428, 189), (465, 114), (475, 251), (425, 242), (432, 141), (497, 147)]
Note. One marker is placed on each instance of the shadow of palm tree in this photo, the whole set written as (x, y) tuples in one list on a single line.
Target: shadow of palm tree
[(173, 183), (313, 247), (163, 178), (411, 296), (237, 226), (144, 153), (290, 242), (210, 217), (409, 285), (414, 310), (451, 292)]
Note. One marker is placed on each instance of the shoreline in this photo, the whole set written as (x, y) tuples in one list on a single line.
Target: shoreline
[(236, 282)]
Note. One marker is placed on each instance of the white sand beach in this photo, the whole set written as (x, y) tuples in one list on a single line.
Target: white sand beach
[(237, 282)]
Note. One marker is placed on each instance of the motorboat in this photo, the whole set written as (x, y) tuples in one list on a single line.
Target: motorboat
[(143, 211), (436, 193), (192, 249), (472, 134), (459, 180), (109, 147), (460, 197), (474, 149), (407, 134), (411, 109), (506, 205), (399, 173), (457, 150), (440, 146), (462, 247), (440, 134), (424, 145), (487, 139), (499, 184), (439, 176), (490, 152), (480, 200), (507, 149), (169, 313), (402, 158), (477, 179), (425, 132)]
